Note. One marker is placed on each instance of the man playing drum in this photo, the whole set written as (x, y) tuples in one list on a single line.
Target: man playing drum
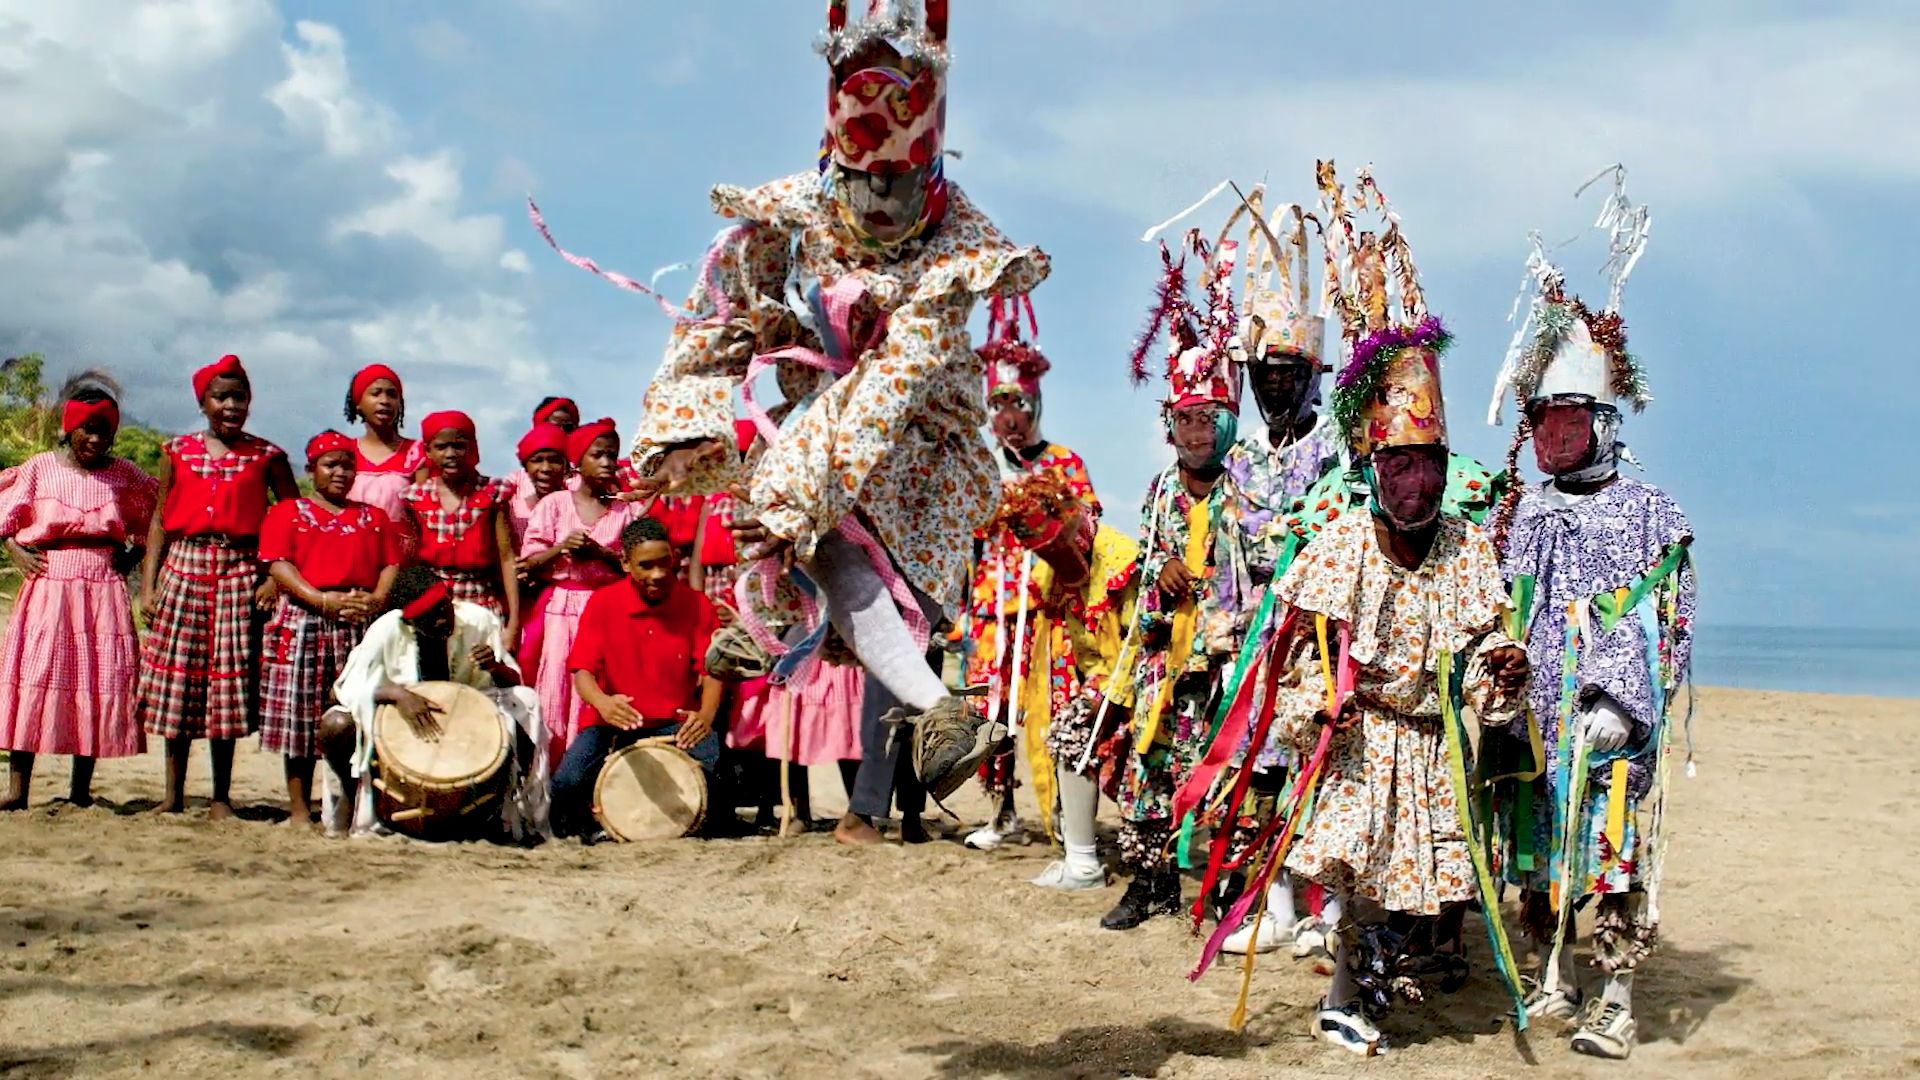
[(639, 666), (427, 636)]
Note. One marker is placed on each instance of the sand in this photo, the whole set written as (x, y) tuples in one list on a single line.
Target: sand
[(139, 946)]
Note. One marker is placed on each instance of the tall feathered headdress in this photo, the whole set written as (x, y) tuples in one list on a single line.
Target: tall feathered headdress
[(1201, 341), (1013, 362)]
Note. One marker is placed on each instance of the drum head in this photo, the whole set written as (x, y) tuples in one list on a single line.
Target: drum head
[(472, 745), (650, 791)]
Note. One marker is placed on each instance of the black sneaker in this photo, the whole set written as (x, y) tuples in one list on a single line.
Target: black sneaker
[(1134, 908)]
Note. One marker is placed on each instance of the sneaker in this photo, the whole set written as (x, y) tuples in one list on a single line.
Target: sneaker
[(733, 656), (1606, 1032), (1166, 895), (1262, 938), (1058, 875), (1558, 1003), (984, 838), (949, 742), (1348, 1029), (1309, 939)]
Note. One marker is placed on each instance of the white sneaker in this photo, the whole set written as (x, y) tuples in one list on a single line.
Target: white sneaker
[(1007, 830), (1309, 939), (1058, 875), (1558, 1003), (1265, 938), (1608, 1031), (984, 838), (1348, 1029)]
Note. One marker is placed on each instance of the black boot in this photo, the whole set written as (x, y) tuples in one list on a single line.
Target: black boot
[(1135, 907), (1226, 893), (1166, 895)]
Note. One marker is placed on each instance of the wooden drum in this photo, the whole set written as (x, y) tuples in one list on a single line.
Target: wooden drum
[(444, 787), (651, 790)]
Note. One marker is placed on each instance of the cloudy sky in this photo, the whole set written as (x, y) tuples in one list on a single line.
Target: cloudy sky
[(315, 185)]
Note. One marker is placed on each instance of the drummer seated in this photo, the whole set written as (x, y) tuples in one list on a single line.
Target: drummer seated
[(639, 666), (428, 636)]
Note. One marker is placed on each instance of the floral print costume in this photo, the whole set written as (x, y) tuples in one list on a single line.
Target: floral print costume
[(1156, 771), (997, 578), (1386, 822), (897, 439), (1574, 550)]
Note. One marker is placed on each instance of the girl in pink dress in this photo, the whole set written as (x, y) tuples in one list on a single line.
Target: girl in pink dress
[(825, 716), (543, 470), (386, 460), (573, 541), (75, 521)]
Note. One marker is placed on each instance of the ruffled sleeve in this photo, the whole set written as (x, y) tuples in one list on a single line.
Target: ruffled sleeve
[(16, 497), (545, 527)]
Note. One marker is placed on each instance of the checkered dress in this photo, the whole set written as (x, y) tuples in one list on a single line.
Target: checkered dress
[(445, 540), (196, 664), (304, 654)]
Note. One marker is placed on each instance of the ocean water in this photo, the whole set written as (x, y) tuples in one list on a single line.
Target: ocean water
[(1879, 663)]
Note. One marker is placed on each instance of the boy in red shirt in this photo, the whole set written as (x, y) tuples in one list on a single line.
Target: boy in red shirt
[(639, 667)]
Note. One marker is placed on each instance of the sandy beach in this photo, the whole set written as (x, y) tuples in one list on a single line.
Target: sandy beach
[(140, 946)]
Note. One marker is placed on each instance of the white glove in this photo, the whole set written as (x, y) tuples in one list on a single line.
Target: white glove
[(1608, 725)]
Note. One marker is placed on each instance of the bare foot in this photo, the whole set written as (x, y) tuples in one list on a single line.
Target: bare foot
[(913, 830), (219, 811), (856, 832), (168, 806), (795, 826)]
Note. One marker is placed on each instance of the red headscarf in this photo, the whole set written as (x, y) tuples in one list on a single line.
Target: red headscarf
[(76, 413), (227, 367), (583, 438), (543, 437), (369, 375), (426, 601), (435, 423), (541, 414), (326, 443)]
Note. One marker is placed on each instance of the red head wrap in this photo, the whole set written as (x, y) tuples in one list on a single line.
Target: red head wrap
[(583, 438), (75, 413), (542, 414), (542, 437), (426, 601), (369, 375), (435, 423), (227, 367), (326, 443)]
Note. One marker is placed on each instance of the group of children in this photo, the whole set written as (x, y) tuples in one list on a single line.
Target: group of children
[(261, 602)]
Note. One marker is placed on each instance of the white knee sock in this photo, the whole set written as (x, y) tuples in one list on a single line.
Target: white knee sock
[(1079, 802), (1564, 977), (865, 615), (1343, 991), (1280, 907), (1619, 989)]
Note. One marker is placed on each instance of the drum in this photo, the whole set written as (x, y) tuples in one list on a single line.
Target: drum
[(651, 790), (446, 786)]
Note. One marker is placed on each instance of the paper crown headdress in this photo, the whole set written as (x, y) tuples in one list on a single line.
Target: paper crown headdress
[(1276, 311), (1201, 342), (1563, 347), (1014, 364), (1388, 392), (887, 93)]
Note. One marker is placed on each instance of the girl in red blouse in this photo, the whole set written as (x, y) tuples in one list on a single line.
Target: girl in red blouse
[(458, 518), (385, 460), (201, 579), (334, 560)]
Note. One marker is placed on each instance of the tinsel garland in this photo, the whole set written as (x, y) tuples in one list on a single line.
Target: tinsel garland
[(900, 30), (1170, 301), (1627, 380), (1359, 381)]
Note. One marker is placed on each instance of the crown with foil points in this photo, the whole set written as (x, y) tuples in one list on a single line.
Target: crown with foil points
[(887, 94)]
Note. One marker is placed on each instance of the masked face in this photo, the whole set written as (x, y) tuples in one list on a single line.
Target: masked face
[(1408, 482), (1015, 420), (1562, 436), (1201, 434), (1282, 384), (884, 207)]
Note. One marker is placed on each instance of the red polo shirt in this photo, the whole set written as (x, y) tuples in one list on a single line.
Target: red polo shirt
[(656, 656)]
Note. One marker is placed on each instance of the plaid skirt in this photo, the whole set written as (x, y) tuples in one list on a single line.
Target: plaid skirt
[(304, 654), (476, 587), (196, 664)]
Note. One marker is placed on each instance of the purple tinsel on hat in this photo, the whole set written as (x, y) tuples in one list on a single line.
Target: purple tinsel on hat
[(1426, 334)]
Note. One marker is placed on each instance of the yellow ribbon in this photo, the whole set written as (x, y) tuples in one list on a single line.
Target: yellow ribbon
[(1617, 810), (1199, 537), (1037, 714)]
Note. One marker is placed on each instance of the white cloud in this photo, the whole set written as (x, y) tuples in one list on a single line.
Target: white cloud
[(318, 94), (181, 181), (1705, 114), (441, 42), (428, 210)]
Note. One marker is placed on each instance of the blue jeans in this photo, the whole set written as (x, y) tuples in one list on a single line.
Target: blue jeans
[(579, 770)]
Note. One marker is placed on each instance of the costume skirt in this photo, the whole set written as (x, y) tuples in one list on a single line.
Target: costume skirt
[(305, 652), (68, 661), (197, 664)]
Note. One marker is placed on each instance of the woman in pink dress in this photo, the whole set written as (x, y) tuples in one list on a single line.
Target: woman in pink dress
[(75, 522), (573, 540), (825, 729), (386, 459)]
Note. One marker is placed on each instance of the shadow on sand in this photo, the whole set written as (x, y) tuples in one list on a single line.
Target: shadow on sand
[(1098, 1053)]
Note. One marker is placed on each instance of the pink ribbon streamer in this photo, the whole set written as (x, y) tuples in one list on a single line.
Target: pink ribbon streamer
[(722, 310)]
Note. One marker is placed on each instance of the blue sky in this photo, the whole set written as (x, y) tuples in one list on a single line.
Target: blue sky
[(318, 184)]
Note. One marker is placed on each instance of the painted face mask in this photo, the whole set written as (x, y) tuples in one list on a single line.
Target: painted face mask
[(1015, 420), (886, 208), (1575, 438), (1408, 483), (1202, 434), (1284, 387)]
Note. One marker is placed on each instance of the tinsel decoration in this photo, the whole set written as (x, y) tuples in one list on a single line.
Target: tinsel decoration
[(1359, 381), (1509, 504), (1170, 307), (1035, 508), (896, 27), (1004, 342)]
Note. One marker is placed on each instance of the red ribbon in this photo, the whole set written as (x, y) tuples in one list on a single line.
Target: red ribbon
[(76, 413), (426, 601)]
